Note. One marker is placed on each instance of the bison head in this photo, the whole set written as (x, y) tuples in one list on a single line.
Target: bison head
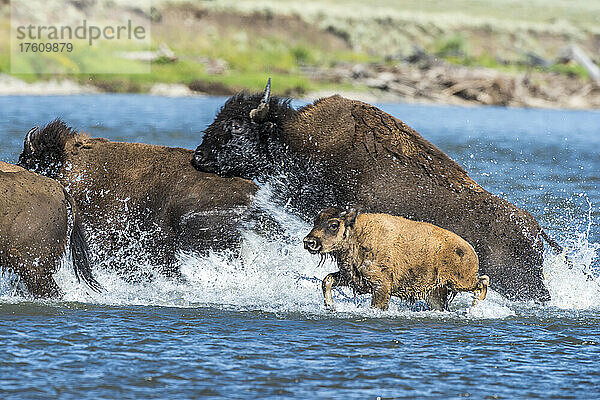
[(329, 231), (239, 141)]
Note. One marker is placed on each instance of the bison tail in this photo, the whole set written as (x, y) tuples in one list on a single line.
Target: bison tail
[(80, 251), (44, 149), (555, 246), (559, 249)]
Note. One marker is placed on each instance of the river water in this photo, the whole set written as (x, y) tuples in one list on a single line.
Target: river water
[(255, 326)]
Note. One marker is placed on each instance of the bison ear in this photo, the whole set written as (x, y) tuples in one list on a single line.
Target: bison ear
[(29, 139), (350, 217), (259, 113)]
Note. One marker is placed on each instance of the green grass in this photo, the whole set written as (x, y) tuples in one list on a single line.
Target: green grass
[(488, 61), (506, 28), (250, 61), (570, 69), (248, 69), (286, 83), (452, 46), (82, 59)]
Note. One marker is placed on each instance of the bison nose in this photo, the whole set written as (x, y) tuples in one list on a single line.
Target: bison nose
[(202, 162), (199, 156), (311, 245)]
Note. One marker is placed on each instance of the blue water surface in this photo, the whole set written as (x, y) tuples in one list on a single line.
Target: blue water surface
[(284, 345)]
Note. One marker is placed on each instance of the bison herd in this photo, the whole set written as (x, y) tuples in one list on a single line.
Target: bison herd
[(425, 229)]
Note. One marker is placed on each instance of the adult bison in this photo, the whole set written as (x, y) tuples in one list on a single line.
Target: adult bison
[(141, 203), (38, 223), (338, 151)]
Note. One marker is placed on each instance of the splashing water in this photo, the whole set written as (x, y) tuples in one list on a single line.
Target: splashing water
[(570, 277), (277, 275)]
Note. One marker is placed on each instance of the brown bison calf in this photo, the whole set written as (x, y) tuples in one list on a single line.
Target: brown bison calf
[(38, 222), (387, 255)]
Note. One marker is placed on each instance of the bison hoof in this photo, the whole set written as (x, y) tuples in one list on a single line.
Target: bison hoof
[(484, 281), (480, 291)]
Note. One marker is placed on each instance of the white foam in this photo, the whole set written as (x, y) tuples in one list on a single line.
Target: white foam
[(278, 275), (490, 308), (10, 287), (571, 278), (573, 284)]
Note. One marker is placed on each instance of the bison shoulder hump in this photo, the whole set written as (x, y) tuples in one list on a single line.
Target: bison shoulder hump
[(377, 128)]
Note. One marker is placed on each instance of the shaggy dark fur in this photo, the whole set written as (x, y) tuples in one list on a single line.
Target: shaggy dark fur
[(141, 203), (239, 138), (44, 150), (36, 217)]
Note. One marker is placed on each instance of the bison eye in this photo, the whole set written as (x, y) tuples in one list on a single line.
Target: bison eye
[(333, 226), (236, 127)]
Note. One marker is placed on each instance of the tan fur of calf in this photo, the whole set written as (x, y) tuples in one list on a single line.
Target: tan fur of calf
[(387, 256)]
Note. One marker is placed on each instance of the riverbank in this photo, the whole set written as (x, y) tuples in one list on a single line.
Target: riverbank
[(443, 84), (436, 81), (387, 52)]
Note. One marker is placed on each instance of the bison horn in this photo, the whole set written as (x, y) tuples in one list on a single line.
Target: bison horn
[(29, 137), (259, 113), (350, 216)]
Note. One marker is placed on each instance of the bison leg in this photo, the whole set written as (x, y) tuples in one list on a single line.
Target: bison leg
[(481, 288), (438, 299), (41, 286), (35, 272), (332, 280), (381, 296)]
